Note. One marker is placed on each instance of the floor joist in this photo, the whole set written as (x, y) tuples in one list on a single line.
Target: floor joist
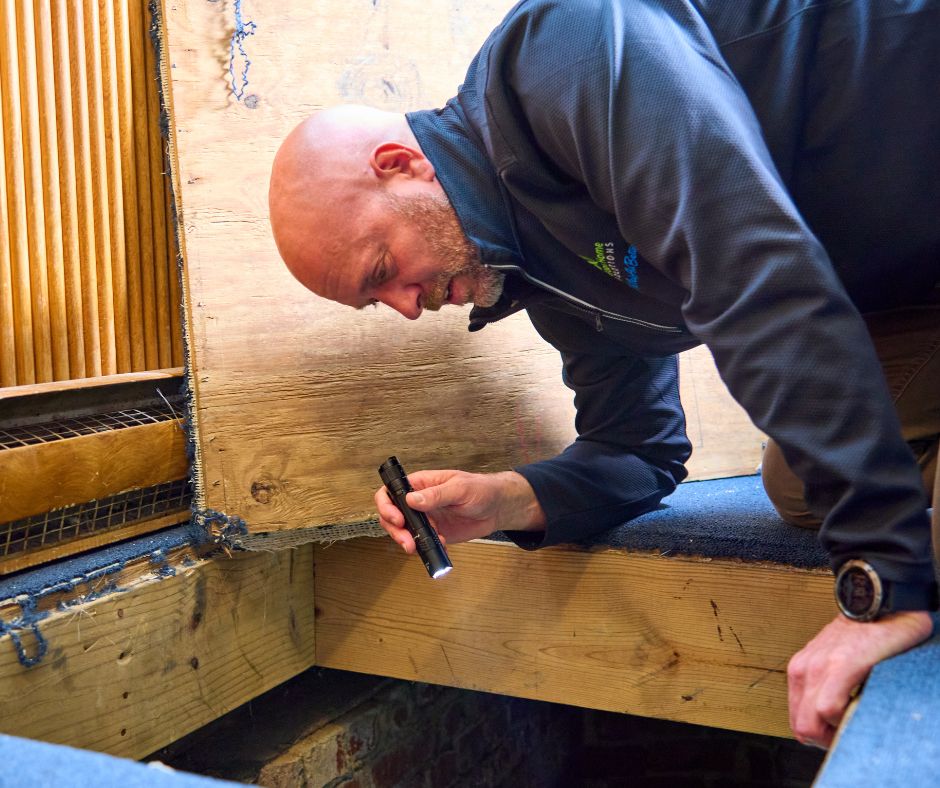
[(700, 641), (695, 640), (135, 670)]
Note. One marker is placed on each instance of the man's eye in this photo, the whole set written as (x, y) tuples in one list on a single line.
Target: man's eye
[(380, 274)]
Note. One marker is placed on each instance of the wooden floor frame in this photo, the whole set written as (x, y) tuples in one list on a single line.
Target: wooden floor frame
[(695, 640), (132, 671)]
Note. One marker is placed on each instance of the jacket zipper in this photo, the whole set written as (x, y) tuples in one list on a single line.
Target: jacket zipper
[(595, 311)]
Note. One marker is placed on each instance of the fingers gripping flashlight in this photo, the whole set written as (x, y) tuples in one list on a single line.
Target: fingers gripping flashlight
[(429, 545)]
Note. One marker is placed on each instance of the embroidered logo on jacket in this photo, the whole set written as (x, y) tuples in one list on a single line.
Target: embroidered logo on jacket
[(605, 259), (630, 266)]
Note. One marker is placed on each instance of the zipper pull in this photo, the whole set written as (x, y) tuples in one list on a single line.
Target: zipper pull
[(597, 321)]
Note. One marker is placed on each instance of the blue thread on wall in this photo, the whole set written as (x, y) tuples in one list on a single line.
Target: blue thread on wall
[(28, 620), (163, 569), (30, 616), (242, 31)]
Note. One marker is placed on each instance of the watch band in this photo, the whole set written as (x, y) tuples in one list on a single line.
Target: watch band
[(908, 596)]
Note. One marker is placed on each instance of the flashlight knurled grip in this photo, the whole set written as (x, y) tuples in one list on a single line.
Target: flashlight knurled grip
[(428, 543)]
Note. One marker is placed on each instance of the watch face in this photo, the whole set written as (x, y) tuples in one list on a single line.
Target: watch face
[(856, 591)]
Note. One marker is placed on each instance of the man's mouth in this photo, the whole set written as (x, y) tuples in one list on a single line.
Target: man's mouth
[(436, 297)]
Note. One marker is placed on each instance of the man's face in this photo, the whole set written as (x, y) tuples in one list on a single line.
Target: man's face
[(409, 253)]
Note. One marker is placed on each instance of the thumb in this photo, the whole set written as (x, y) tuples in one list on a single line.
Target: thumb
[(435, 497)]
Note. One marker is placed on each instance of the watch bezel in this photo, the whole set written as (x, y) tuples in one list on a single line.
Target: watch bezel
[(877, 589)]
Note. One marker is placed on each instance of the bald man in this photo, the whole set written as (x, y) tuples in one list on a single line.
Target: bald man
[(763, 177)]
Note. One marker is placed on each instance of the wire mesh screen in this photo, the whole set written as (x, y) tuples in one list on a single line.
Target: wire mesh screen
[(85, 425), (95, 517)]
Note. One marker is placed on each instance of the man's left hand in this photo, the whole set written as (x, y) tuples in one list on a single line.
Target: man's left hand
[(824, 674)]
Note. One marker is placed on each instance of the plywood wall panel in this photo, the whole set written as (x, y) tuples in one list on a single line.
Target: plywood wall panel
[(298, 400)]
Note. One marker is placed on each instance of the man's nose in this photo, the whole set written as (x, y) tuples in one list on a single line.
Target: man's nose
[(405, 301)]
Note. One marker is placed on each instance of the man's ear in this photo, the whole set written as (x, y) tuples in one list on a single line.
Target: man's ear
[(395, 158)]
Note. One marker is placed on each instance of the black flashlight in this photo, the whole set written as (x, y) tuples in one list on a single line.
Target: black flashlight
[(429, 545)]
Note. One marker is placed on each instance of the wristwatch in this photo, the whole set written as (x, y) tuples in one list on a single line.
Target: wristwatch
[(863, 595)]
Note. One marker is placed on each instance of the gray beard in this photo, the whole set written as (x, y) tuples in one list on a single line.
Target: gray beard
[(490, 287)]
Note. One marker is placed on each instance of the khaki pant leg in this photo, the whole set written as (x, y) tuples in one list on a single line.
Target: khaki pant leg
[(907, 342)]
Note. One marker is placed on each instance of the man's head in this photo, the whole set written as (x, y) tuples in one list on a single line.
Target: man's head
[(359, 217)]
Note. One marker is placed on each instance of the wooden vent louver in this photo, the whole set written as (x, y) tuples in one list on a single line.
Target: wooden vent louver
[(88, 280)]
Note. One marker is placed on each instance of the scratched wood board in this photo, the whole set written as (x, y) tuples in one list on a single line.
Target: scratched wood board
[(694, 640), (297, 400), (130, 672)]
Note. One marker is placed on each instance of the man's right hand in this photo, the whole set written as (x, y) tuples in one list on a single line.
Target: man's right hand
[(463, 506)]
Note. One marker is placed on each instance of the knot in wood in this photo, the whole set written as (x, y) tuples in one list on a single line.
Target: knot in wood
[(263, 491)]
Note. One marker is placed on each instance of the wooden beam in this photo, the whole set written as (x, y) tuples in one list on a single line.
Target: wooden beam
[(73, 589), (699, 641), (102, 381), (724, 441), (282, 352), (129, 673), (41, 403), (46, 476)]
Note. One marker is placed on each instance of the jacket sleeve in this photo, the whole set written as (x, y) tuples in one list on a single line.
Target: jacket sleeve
[(631, 445), (641, 109)]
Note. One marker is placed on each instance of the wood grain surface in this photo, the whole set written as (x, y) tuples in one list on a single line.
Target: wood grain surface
[(46, 476), (131, 672), (299, 400), (170, 375), (699, 641)]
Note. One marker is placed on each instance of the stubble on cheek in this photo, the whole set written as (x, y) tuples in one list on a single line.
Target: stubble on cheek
[(446, 240)]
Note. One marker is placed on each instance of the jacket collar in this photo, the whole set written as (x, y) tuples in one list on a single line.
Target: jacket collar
[(471, 184), (468, 179)]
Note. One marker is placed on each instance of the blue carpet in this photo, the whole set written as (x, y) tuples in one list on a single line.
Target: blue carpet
[(24, 762), (94, 563), (893, 740), (90, 576), (721, 518)]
